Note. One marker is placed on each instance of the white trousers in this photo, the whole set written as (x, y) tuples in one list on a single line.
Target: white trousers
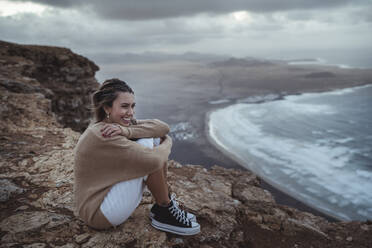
[(124, 197)]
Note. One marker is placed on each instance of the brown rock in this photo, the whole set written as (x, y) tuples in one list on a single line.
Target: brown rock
[(365, 227), (33, 196), (27, 221), (246, 194), (35, 245), (7, 189), (67, 246), (22, 208), (58, 74), (82, 238)]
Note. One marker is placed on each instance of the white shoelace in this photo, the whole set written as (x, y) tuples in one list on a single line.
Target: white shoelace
[(177, 212), (179, 215)]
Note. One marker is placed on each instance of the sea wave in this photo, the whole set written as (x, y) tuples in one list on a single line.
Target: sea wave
[(282, 142)]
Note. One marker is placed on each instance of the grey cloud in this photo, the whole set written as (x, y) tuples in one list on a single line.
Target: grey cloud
[(105, 35), (362, 15), (56, 3), (86, 34), (300, 15), (347, 15), (150, 9)]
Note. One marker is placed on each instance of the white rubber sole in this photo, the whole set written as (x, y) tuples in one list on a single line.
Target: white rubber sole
[(175, 229), (193, 218)]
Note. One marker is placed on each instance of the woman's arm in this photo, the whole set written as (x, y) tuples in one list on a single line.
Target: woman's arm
[(152, 128), (127, 152)]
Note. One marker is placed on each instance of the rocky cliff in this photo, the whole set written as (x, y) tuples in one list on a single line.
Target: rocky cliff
[(65, 78), (44, 94)]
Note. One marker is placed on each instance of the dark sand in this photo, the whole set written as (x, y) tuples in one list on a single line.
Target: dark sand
[(180, 91)]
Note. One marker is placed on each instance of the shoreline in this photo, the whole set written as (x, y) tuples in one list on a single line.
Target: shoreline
[(275, 189), (267, 182)]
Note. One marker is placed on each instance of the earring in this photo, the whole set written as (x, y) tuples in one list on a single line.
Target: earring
[(108, 116)]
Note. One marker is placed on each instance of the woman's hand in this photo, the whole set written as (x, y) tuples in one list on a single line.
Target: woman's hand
[(111, 130)]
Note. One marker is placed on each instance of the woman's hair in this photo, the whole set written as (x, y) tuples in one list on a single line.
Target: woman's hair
[(106, 95)]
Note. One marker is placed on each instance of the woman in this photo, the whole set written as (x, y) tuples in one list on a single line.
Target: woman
[(112, 169)]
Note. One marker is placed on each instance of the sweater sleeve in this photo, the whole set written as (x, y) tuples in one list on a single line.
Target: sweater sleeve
[(143, 158), (146, 129)]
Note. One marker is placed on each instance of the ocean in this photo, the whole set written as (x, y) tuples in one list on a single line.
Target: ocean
[(317, 147)]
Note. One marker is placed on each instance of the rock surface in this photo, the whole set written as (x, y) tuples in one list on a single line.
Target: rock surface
[(37, 175), (65, 78)]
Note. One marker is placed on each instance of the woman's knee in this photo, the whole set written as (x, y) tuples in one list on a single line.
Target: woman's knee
[(147, 142), (156, 141)]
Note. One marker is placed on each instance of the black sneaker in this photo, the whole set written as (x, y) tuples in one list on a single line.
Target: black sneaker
[(188, 215), (172, 219)]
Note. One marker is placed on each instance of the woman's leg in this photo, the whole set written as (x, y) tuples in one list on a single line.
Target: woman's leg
[(165, 168), (121, 201), (157, 184), (165, 214), (124, 197)]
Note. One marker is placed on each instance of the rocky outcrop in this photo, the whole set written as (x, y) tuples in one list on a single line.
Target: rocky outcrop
[(36, 198), (63, 77)]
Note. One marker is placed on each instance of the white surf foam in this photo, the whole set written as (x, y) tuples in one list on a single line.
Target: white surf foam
[(219, 101), (182, 131), (257, 99), (318, 61), (320, 173)]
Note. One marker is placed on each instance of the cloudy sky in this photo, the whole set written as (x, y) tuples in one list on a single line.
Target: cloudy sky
[(339, 31)]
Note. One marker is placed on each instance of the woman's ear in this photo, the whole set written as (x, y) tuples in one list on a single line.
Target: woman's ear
[(107, 109)]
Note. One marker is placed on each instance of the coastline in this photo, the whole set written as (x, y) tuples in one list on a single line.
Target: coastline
[(267, 182), (280, 195)]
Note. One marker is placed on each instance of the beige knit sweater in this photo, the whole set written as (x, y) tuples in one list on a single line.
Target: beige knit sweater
[(102, 162)]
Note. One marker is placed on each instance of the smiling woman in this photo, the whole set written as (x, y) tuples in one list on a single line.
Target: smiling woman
[(122, 110), (116, 157), (114, 102), (9, 8)]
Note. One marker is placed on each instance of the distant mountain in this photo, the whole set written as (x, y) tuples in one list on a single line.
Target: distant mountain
[(248, 62), (150, 57)]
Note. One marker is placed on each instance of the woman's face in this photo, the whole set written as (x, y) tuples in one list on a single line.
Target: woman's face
[(122, 110)]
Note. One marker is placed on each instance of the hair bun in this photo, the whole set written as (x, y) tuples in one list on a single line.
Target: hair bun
[(113, 82)]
